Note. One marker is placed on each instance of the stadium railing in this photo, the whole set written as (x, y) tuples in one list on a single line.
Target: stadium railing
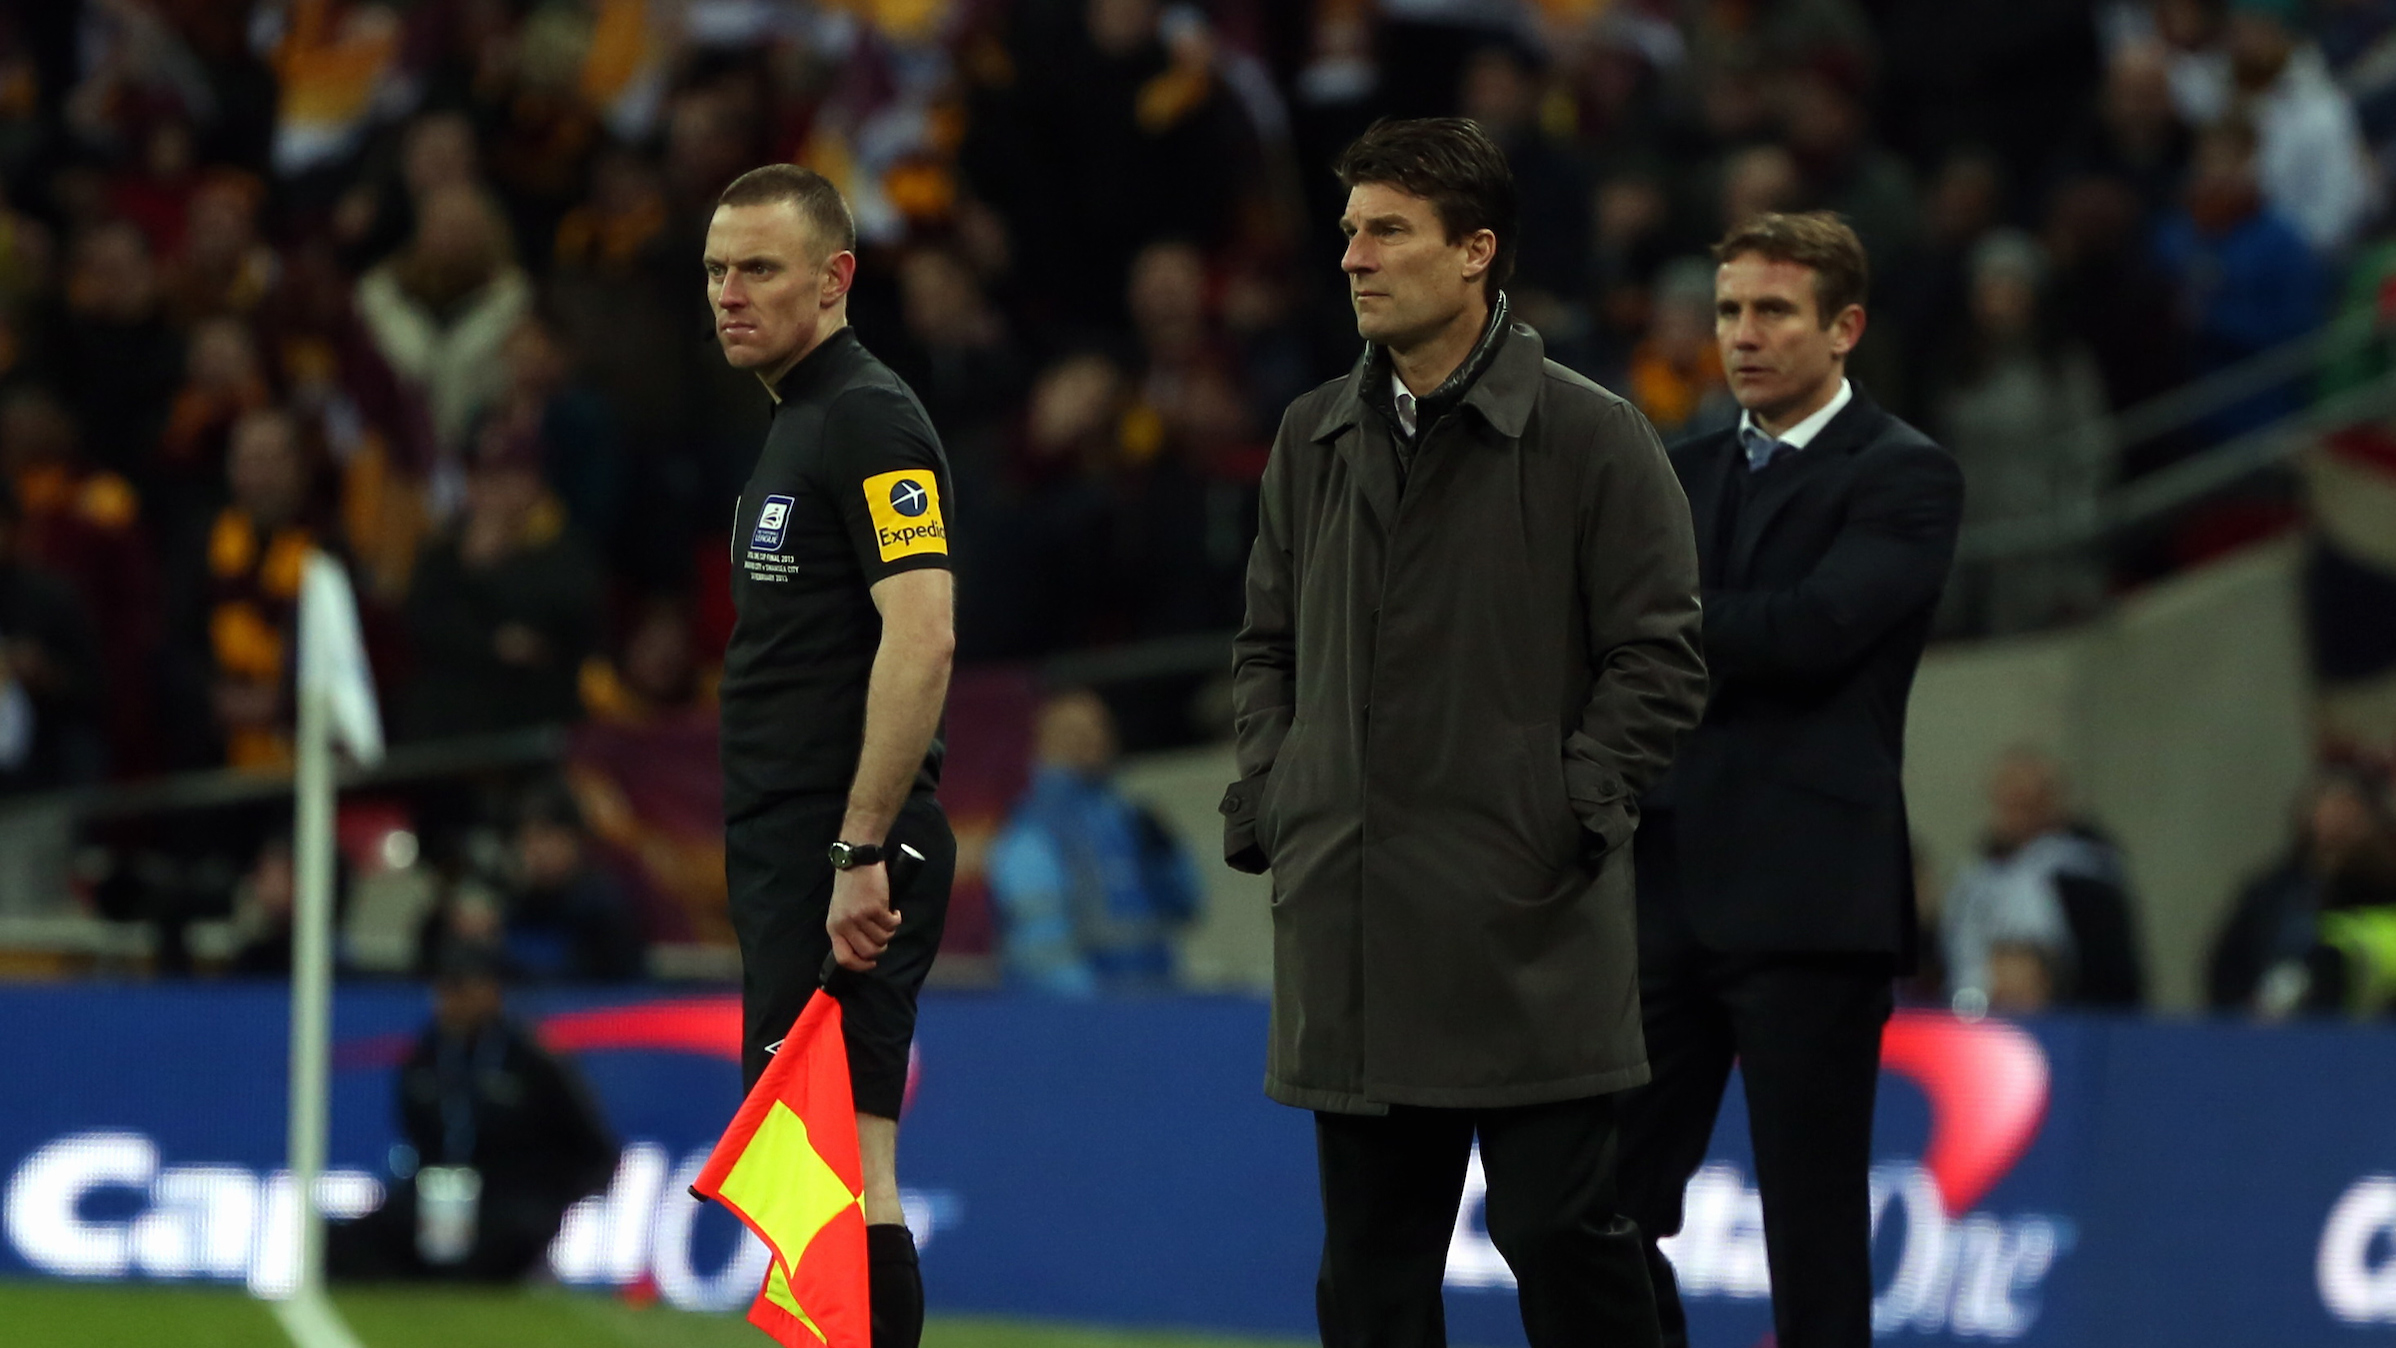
[(43, 835), (2205, 473)]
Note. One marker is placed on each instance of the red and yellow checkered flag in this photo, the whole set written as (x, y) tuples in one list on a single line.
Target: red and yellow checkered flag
[(788, 1168)]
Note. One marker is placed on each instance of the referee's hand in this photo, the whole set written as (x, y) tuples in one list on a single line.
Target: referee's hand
[(861, 921)]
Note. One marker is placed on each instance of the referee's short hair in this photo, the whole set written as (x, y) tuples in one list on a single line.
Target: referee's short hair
[(1816, 239), (813, 193), (1451, 163)]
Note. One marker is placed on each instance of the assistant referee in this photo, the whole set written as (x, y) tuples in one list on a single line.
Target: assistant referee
[(835, 676)]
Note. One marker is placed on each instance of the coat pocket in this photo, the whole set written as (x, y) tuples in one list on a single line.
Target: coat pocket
[(1289, 765), (1553, 825)]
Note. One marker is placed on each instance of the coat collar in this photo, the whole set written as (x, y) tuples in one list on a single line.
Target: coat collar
[(1503, 394)]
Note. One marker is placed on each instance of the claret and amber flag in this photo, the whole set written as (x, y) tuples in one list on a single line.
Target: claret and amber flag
[(788, 1168)]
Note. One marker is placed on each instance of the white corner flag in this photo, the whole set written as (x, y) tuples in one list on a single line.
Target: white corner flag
[(336, 704), (332, 658)]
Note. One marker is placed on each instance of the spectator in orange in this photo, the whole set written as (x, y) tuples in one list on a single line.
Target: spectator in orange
[(617, 227), (119, 361), (83, 524), (26, 255), (50, 683), (573, 426), (1502, 88), (375, 217), (504, 607), (960, 355), (1189, 395), (617, 292), (538, 145), (156, 193), (374, 430), (1049, 529), (646, 774), (224, 268), (1676, 370), (222, 383), (1183, 501), (255, 555)]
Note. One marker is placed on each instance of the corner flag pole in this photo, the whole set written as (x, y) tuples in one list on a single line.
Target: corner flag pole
[(311, 979), (336, 701)]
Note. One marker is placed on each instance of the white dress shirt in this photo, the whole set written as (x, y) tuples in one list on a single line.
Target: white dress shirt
[(1761, 447)]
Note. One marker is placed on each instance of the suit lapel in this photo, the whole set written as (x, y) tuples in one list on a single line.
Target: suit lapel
[(1775, 488)]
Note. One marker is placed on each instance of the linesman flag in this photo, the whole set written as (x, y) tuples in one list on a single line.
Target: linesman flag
[(788, 1168)]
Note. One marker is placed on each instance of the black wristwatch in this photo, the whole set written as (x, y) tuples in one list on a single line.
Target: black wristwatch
[(848, 856)]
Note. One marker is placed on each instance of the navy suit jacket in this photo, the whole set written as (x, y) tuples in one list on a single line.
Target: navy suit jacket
[(1785, 804)]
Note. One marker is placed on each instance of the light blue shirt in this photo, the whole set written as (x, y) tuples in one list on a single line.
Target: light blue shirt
[(1762, 448)]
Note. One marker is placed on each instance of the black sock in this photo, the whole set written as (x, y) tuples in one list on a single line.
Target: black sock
[(897, 1282)]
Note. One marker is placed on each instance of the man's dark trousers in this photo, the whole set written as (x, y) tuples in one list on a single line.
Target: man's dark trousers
[(1391, 1187), (1805, 1032)]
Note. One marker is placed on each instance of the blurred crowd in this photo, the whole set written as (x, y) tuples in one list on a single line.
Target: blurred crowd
[(2046, 916), (416, 282)]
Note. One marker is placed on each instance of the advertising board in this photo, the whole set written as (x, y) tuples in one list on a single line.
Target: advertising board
[(2064, 1182)]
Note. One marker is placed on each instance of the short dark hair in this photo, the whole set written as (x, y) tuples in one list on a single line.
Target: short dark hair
[(1451, 163), (813, 193), (1816, 239)]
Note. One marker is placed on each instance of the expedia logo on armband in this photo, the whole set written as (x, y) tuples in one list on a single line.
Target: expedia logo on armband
[(905, 507)]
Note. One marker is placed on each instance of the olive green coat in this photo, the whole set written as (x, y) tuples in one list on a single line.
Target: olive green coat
[(1449, 694)]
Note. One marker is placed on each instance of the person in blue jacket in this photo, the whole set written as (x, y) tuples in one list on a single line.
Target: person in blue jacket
[(2247, 280), (1089, 885)]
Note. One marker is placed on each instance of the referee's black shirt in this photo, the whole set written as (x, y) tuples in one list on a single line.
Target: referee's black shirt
[(852, 486)]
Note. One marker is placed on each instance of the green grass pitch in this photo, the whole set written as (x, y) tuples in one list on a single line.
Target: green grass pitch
[(57, 1315)]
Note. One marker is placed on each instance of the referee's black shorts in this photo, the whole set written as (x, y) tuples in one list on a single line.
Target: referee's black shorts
[(781, 883)]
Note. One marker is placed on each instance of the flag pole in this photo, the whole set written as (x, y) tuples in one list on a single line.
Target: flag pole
[(336, 699), (311, 981)]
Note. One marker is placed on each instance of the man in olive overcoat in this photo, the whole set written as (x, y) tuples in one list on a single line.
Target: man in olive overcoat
[(1471, 643)]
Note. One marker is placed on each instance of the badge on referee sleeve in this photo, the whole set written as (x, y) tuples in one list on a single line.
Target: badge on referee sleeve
[(905, 506)]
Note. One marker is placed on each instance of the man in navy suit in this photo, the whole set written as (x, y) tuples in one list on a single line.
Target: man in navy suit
[(1775, 881)]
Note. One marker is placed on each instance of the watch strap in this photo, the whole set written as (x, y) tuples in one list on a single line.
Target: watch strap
[(848, 856)]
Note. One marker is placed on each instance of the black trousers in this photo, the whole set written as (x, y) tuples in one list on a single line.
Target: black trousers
[(1391, 1188), (1805, 1032), (781, 891)]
